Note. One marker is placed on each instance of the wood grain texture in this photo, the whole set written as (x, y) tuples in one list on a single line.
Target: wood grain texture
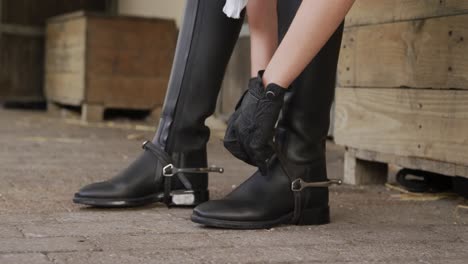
[(65, 61), (22, 44), (129, 61), (110, 61), (18, 30), (428, 124), (365, 12), (65, 88), (92, 113), (445, 168), (21, 68), (429, 53), (363, 172), (125, 91)]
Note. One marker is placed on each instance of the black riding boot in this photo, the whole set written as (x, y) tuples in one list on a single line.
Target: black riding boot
[(295, 189), (173, 167)]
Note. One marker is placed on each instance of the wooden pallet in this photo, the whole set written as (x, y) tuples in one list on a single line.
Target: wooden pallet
[(402, 94), (363, 167), (94, 112)]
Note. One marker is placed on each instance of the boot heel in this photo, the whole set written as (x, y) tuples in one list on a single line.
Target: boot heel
[(184, 198), (315, 216)]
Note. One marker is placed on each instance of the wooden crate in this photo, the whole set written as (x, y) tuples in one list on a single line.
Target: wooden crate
[(402, 94), (22, 44), (100, 61)]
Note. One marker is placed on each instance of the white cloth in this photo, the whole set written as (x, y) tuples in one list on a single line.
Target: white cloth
[(233, 8)]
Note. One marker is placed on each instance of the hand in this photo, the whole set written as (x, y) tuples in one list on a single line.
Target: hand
[(250, 131)]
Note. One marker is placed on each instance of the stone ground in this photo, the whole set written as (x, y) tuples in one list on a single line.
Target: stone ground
[(44, 160)]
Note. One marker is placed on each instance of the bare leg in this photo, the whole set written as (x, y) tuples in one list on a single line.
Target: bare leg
[(314, 23), (263, 26)]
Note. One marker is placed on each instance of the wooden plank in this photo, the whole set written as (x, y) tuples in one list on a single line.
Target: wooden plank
[(449, 169), (429, 124), (21, 68), (69, 60), (365, 12), (114, 91), (95, 60), (65, 61), (123, 72), (92, 112), (429, 53), (21, 30), (65, 88), (363, 172)]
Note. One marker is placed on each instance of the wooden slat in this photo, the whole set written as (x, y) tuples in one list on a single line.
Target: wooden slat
[(65, 88), (128, 61), (21, 68), (365, 12), (114, 91), (21, 30), (362, 172), (431, 165), (429, 124), (429, 53), (65, 61), (111, 62)]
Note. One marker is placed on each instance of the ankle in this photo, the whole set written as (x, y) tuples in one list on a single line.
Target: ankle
[(268, 78)]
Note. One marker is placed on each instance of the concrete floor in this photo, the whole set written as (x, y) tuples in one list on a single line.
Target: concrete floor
[(44, 160)]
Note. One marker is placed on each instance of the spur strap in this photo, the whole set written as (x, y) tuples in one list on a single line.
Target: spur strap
[(169, 170), (298, 185)]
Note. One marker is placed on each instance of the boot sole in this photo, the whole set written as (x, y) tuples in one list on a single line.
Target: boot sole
[(311, 216), (218, 223), (179, 199)]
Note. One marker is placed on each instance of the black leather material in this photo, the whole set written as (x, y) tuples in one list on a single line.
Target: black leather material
[(204, 46), (305, 119), (250, 130), (263, 202), (142, 178), (201, 64), (261, 197)]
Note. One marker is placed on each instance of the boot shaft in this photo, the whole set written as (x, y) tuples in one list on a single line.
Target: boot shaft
[(305, 119), (191, 159), (204, 48)]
